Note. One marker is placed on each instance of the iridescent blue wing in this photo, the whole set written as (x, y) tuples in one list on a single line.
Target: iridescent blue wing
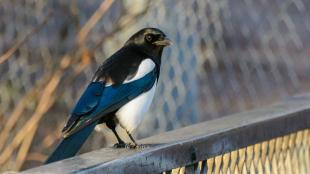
[(98, 100)]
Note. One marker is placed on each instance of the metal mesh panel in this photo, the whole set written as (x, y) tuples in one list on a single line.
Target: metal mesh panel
[(228, 56), (287, 154)]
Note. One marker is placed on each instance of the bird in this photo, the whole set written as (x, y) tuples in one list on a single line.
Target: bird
[(119, 93)]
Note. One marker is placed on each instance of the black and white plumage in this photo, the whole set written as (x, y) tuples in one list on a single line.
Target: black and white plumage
[(132, 113), (120, 92)]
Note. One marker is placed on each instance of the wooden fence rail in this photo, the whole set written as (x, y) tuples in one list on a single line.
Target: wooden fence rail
[(274, 139)]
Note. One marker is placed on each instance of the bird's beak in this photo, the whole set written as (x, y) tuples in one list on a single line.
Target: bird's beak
[(164, 42)]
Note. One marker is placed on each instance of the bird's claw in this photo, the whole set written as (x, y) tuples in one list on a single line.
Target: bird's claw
[(124, 145), (130, 146), (141, 146)]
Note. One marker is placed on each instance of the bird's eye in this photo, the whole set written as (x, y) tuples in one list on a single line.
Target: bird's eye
[(148, 38)]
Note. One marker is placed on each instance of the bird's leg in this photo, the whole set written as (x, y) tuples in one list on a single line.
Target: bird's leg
[(136, 145), (121, 144), (120, 141), (133, 140)]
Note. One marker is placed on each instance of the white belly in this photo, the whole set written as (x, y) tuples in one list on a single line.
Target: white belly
[(132, 113)]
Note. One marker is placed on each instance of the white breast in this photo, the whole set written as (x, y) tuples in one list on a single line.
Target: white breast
[(131, 114)]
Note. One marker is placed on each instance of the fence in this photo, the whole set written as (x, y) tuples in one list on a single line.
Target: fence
[(228, 56), (270, 140)]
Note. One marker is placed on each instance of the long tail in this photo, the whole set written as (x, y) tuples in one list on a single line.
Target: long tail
[(68, 147)]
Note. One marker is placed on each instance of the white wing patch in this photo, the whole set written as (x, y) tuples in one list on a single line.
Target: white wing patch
[(131, 114), (145, 67)]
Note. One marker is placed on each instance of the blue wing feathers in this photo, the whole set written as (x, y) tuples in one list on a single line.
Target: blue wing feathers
[(115, 97), (87, 103), (89, 99), (99, 100)]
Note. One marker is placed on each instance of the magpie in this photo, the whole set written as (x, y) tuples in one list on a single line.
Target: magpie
[(120, 93)]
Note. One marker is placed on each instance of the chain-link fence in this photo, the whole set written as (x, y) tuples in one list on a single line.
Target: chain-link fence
[(228, 56)]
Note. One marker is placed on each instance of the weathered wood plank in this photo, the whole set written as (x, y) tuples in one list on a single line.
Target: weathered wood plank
[(191, 144)]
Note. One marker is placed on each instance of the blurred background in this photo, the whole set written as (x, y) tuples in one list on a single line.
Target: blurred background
[(228, 56)]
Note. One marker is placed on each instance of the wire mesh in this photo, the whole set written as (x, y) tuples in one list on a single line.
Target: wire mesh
[(286, 154), (228, 56)]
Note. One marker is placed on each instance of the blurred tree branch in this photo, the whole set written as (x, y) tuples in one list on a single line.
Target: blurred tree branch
[(14, 117), (23, 150), (44, 104), (18, 44), (35, 156), (24, 136), (126, 20), (97, 15)]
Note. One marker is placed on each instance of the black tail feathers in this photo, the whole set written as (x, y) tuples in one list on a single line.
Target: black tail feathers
[(69, 146)]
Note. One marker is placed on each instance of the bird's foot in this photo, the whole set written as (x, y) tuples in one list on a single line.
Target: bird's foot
[(141, 146), (124, 145), (131, 146)]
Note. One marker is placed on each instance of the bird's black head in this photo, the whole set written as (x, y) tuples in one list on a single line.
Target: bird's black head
[(150, 41)]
